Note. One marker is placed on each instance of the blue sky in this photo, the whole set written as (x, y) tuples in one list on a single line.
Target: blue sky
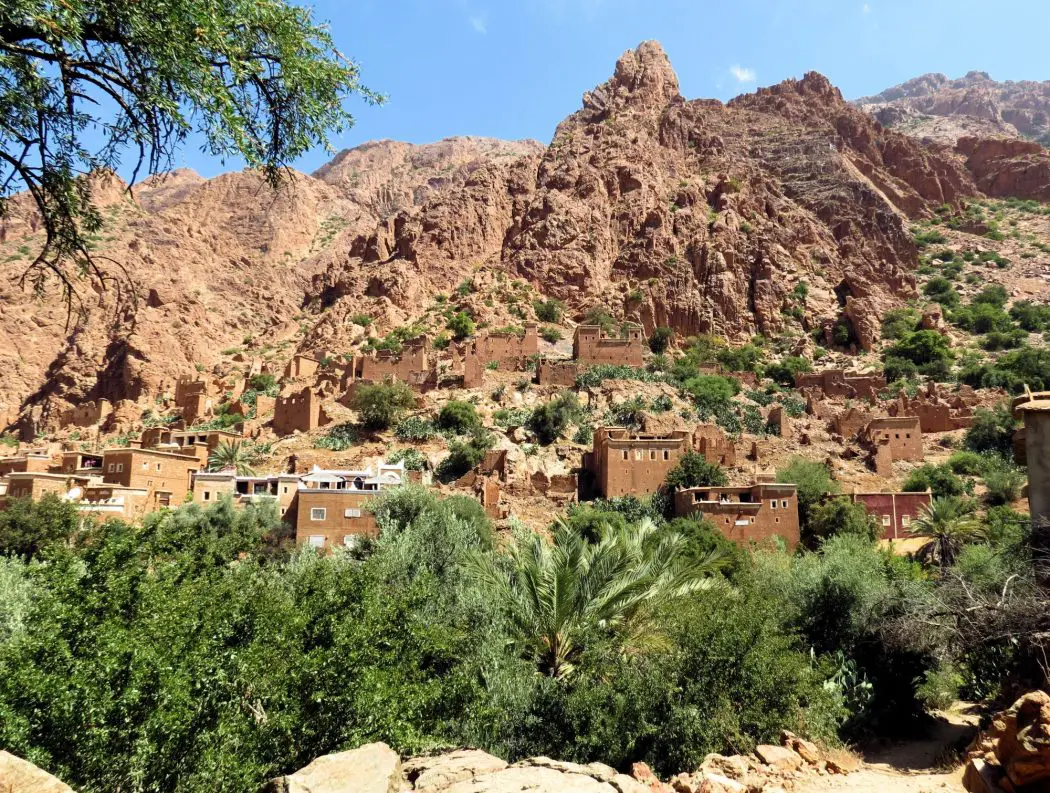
[(515, 68)]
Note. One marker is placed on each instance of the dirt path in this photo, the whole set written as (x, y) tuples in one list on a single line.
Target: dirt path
[(911, 767)]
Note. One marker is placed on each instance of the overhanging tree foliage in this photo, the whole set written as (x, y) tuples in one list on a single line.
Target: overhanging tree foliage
[(83, 82)]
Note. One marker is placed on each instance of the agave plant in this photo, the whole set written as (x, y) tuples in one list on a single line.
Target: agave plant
[(558, 593), (232, 454), (949, 523)]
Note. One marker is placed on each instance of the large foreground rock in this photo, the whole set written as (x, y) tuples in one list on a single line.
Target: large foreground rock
[(1016, 744), (372, 768), (21, 776)]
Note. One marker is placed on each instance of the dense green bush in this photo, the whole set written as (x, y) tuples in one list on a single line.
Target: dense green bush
[(415, 428), (898, 322), (839, 516), (28, 527), (711, 391), (992, 431), (940, 479), (464, 455), (693, 470), (921, 347), (339, 438), (549, 420), (457, 416), (660, 339), (1003, 481), (814, 483), (548, 310), (381, 404), (740, 359), (940, 290), (460, 325), (785, 370)]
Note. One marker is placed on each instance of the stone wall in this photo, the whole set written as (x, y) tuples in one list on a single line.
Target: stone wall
[(301, 411), (839, 383), (590, 346)]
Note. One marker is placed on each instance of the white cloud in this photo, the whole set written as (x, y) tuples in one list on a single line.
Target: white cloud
[(742, 74), (865, 9), (479, 23)]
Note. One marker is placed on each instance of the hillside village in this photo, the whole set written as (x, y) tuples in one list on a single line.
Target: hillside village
[(705, 427)]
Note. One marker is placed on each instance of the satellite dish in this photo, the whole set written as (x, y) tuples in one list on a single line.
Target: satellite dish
[(74, 494)]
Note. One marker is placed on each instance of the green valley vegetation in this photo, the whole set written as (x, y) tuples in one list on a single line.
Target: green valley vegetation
[(201, 651)]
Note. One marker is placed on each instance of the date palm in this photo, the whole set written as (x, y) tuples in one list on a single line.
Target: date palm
[(556, 594), (232, 454), (949, 523)]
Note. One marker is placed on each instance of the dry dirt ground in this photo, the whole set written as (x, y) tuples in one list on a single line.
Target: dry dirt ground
[(925, 766)]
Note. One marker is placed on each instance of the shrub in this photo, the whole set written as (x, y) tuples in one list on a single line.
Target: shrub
[(966, 463), (784, 372), (740, 359), (511, 417), (992, 431), (940, 290), (461, 325), (839, 516), (264, 383), (457, 416), (1003, 481), (931, 237), (339, 438), (381, 404), (937, 478), (551, 334), (548, 310), (28, 527), (463, 455), (361, 319), (1029, 316), (711, 391), (922, 347), (412, 458), (992, 295), (549, 420), (898, 322), (660, 340), (814, 482), (982, 318), (603, 319), (896, 369), (693, 470), (415, 428)]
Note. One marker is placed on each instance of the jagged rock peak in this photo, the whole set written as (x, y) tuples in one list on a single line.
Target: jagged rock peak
[(643, 79), (812, 85)]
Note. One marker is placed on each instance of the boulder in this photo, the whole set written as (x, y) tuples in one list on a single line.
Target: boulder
[(372, 768), (807, 750), (435, 773), (21, 776), (1018, 740), (778, 758), (535, 779)]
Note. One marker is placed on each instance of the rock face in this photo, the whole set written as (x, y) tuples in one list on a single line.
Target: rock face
[(20, 776), (1006, 168), (1016, 745), (693, 214), (973, 104)]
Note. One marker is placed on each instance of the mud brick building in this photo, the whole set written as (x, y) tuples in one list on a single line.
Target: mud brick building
[(332, 507), (837, 383), (716, 447), (28, 462), (627, 463), (851, 421), (193, 397), (87, 414), (1032, 448), (745, 514), (300, 411), (591, 346), (557, 373), (893, 438), (937, 413), (509, 350), (894, 512), (279, 489)]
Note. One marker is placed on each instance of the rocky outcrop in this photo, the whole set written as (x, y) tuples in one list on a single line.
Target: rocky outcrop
[(1005, 168), (20, 776), (1016, 745), (374, 769), (973, 102)]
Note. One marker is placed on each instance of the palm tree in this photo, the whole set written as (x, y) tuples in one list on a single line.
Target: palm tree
[(949, 523), (232, 454), (558, 593)]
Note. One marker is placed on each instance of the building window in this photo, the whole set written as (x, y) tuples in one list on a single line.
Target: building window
[(351, 541), (317, 541), (885, 520), (667, 454), (352, 513), (652, 454), (907, 435), (110, 468), (637, 454), (120, 467), (773, 504), (905, 520), (207, 495), (145, 464), (784, 503), (285, 489), (897, 436), (318, 513), (158, 467), (625, 454)]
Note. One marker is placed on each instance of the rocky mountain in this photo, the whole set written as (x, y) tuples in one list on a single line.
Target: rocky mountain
[(707, 217), (942, 109)]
